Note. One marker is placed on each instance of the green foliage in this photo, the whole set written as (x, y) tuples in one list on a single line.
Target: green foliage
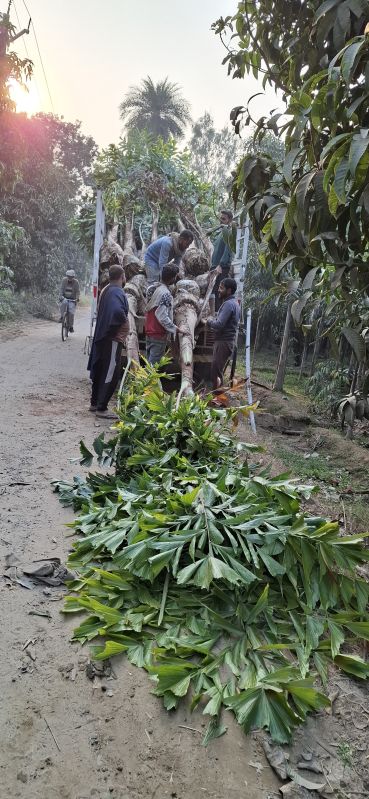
[(213, 154), (44, 164), (12, 67), (10, 234), (42, 306), (205, 572), (312, 212), (10, 305), (157, 108), (345, 754), (314, 467), (143, 173), (328, 384)]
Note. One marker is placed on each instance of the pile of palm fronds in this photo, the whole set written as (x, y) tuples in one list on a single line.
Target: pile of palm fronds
[(205, 572)]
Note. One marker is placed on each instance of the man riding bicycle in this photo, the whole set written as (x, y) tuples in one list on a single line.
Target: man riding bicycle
[(69, 296)]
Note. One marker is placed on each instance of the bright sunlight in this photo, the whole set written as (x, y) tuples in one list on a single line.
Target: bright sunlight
[(26, 99)]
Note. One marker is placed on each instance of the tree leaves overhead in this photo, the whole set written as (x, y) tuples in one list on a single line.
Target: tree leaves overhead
[(143, 173), (205, 572), (12, 67), (45, 165), (310, 208)]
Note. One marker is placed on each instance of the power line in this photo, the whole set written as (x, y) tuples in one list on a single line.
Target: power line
[(26, 49), (39, 55), (19, 26)]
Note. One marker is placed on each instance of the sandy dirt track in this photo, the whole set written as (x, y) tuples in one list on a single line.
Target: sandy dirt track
[(123, 746)]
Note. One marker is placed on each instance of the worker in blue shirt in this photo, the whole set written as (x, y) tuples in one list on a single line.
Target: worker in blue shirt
[(166, 249), (222, 254)]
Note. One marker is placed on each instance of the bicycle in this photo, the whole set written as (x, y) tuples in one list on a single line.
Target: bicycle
[(66, 319)]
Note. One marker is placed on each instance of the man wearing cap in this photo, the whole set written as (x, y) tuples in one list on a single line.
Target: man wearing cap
[(69, 295)]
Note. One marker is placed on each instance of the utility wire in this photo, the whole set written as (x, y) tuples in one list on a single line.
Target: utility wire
[(19, 26), (26, 49), (40, 56)]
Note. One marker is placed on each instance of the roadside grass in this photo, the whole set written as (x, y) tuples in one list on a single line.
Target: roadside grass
[(316, 468), (14, 306), (264, 368), (333, 483)]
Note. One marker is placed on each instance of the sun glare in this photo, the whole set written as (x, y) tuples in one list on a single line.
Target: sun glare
[(26, 99)]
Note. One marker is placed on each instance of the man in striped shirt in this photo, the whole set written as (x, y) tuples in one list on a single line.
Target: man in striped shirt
[(159, 325)]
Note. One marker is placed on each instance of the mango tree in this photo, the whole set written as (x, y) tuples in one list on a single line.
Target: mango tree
[(311, 212)]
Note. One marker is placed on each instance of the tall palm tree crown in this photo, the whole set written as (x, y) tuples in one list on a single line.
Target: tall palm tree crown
[(158, 108)]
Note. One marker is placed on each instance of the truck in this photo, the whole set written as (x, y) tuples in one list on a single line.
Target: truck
[(204, 338)]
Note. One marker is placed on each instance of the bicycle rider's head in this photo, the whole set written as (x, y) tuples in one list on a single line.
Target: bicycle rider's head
[(70, 273)]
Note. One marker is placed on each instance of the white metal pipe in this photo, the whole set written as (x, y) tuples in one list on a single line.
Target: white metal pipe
[(98, 240), (248, 369)]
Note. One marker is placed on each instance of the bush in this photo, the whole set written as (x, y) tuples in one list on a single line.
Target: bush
[(43, 306), (328, 384), (10, 305)]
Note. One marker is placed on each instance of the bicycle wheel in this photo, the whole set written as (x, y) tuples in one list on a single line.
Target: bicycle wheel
[(65, 326)]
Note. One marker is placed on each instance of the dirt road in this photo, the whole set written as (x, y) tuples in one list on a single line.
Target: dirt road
[(65, 738)]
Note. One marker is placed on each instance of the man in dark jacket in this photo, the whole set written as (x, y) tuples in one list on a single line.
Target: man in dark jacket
[(222, 254), (225, 328), (111, 328)]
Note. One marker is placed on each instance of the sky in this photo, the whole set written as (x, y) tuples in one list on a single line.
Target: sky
[(94, 50)]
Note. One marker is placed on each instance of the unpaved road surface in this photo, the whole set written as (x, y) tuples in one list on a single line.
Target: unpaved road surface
[(65, 738)]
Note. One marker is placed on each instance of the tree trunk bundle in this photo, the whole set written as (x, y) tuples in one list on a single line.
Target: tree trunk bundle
[(186, 309), (129, 240), (136, 287), (132, 345), (110, 253), (132, 265), (203, 282), (195, 262)]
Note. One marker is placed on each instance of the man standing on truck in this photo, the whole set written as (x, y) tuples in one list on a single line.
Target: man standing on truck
[(110, 333), (159, 325), (225, 327), (222, 254), (69, 296), (165, 249)]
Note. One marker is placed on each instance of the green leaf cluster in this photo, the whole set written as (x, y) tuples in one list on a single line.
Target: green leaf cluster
[(310, 210), (205, 572), (143, 172)]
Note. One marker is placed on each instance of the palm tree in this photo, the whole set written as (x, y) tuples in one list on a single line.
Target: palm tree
[(158, 108)]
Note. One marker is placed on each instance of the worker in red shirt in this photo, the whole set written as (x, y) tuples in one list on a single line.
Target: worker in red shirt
[(159, 325)]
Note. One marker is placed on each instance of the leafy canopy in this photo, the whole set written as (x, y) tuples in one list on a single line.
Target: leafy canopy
[(12, 67), (311, 211), (159, 108), (141, 174), (45, 163)]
